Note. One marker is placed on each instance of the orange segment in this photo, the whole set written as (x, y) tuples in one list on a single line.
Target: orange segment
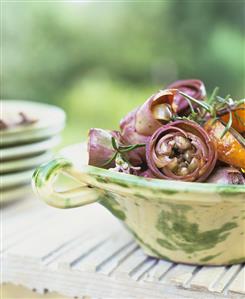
[(228, 148), (238, 119)]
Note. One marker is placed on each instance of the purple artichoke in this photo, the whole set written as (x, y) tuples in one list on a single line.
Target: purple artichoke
[(193, 87), (181, 150), (227, 175), (101, 150), (138, 125), (147, 174)]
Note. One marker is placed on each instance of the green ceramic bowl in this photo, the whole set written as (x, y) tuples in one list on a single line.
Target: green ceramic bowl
[(194, 223)]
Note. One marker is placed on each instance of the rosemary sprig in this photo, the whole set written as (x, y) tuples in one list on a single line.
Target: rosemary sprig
[(240, 102), (228, 125), (215, 106), (213, 96), (114, 143), (120, 151), (222, 100), (204, 105), (227, 97), (191, 107), (110, 160), (238, 136)]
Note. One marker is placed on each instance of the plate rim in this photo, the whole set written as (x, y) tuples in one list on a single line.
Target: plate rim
[(4, 153), (15, 179), (35, 126), (21, 162)]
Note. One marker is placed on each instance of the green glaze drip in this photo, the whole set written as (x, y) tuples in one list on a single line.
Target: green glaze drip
[(209, 257), (67, 203), (169, 192), (38, 181), (106, 180), (100, 179), (154, 251), (229, 192), (43, 173), (141, 196), (121, 184), (52, 170), (166, 244), (111, 204), (184, 235), (163, 191)]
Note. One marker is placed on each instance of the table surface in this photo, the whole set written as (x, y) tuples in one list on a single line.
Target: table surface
[(87, 252)]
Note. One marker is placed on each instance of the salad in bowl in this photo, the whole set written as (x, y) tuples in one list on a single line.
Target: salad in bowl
[(173, 173)]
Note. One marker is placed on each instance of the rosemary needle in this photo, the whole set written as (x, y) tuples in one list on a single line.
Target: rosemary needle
[(228, 125)]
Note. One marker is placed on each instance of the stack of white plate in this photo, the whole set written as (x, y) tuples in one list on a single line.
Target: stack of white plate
[(25, 144)]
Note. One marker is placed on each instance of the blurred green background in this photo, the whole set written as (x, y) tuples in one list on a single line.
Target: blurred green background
[(99, 60)]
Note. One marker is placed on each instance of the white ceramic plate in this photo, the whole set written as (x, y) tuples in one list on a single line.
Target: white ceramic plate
[(47, 116), (28, 149), (50, 120), (14, 194), (24, 163), (29, 136), (15, 179)]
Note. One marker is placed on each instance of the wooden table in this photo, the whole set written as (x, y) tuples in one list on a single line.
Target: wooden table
[(87, 252)]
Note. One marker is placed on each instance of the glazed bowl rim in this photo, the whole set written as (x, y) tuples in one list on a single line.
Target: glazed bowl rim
[(171, 186)]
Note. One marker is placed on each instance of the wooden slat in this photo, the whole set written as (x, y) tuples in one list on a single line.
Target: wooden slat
[(110, 265), (85, 246), (140, 272), (69, 250), (82, 251), (238, 284), (62, 228), (206, 278), (136, 259), (116, 242), (180, 275), (32, 246), (225, 279), (158, 271)]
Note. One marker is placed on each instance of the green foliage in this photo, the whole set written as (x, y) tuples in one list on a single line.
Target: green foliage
[(98, 60), (98, 101)]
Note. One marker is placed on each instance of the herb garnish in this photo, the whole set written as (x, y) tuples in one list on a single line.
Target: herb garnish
[(215, 106), (120, 150)]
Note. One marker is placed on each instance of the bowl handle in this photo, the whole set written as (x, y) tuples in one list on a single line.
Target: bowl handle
[(44, 179)]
